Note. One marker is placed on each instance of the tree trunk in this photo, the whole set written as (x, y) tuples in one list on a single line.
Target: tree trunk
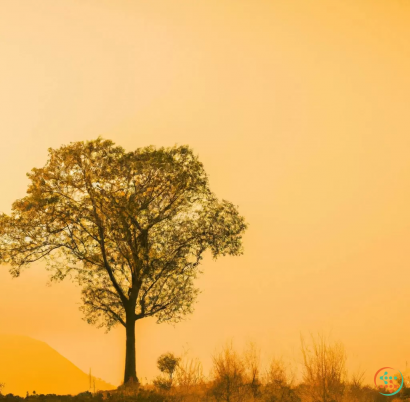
[(130, 374)]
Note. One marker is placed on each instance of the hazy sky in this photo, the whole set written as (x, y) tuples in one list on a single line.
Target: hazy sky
[(299, 111)]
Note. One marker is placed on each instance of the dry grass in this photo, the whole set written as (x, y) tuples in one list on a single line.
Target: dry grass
[(239, 377)]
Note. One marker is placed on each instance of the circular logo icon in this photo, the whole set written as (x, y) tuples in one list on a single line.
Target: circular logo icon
[(389, 381)]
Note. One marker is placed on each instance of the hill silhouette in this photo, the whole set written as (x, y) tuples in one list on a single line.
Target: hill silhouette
[(27, 364)]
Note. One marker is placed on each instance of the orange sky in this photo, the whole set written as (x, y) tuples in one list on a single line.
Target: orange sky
[(299, 111)]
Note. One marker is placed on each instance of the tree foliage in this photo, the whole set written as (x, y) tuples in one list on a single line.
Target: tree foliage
[(130, 227), (167, 363)]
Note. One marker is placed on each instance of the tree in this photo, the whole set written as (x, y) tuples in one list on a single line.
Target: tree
[(167, 364), (130, 227)]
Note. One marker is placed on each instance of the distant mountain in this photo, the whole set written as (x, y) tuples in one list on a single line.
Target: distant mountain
[(30, 365)]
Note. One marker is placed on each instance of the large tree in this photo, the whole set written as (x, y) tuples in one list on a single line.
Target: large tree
[(130, 227)]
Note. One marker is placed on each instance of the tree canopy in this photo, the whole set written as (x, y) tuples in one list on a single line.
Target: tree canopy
[(127, 226)]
